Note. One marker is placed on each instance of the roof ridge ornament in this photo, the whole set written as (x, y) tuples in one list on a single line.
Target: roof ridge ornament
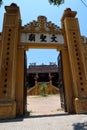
[(42, 25)]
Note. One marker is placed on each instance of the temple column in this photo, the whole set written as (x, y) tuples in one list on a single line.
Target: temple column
[(50, 83), (36, 85)]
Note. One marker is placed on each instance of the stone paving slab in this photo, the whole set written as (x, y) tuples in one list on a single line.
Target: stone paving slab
[(48, 122)]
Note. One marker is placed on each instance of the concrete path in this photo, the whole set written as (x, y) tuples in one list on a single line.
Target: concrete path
[(45, 115), (48, 122)]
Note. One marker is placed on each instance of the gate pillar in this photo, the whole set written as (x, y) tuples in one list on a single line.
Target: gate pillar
[(67, 81), (20, 82), (8, 58), (0, 46), (78, 74)]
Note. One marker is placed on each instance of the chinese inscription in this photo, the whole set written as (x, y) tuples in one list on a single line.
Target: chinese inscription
[(42, 38)]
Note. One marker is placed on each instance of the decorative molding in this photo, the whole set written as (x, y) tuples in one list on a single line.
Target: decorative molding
[(41, 25)]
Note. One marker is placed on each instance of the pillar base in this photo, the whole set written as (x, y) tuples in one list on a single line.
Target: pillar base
[(7, 110), (80, 105)]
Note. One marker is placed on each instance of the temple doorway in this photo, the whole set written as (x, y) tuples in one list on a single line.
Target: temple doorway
[(44, 82)]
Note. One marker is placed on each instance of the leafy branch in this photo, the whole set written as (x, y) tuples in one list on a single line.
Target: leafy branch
[(56, 2), (0, 2)]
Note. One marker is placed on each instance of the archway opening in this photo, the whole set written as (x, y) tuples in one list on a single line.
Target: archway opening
[(44, 81)]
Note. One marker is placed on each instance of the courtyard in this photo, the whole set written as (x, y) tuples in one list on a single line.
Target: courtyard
[(44, 105)]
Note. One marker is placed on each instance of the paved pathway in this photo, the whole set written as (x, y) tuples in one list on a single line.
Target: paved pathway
[(46, 117), (52, 122)]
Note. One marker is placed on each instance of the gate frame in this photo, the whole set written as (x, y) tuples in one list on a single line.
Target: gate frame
[(12, 62)]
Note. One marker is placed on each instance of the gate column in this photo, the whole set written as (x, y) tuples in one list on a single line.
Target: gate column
[(20, 82), (67, 81), (73, 41), (9, 43)]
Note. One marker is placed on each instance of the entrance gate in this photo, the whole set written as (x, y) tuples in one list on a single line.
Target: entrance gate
[(61, 83), (16, 39)]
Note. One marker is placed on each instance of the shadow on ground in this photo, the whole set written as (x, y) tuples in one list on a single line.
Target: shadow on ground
[(31, 116), (47, 115), (11, 120), (80, 126)]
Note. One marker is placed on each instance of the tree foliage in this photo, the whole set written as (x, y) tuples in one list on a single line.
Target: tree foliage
[(56, 2), (0, 2)]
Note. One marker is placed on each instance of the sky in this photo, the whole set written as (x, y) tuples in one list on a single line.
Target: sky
[(30, 10)]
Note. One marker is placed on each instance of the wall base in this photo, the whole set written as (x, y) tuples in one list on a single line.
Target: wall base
[(7, 110), (80, 105)]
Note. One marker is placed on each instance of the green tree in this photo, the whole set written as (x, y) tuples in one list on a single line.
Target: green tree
[(56, 2), (43, 87), (0, 2)]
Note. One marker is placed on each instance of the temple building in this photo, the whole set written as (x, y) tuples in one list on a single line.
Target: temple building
[(42, 77)]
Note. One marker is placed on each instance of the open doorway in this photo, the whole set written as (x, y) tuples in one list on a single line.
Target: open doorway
[(45, 88)]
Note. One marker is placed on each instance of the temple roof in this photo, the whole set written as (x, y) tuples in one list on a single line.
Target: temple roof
[(42, 69)]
